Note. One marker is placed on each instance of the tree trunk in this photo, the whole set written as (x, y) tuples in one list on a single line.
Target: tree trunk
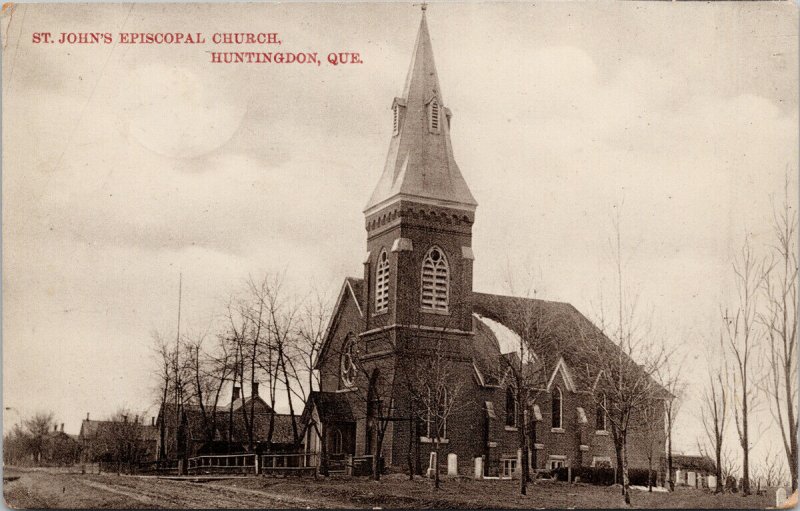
[(523, 473), (792, 423), (625, 480), (411, 449), (745, 446), (436, 465), (618, 452), (670, 480), (323, 462), (376, 458), (718, 450)]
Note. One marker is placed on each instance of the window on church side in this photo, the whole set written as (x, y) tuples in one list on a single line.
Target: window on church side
[(348, 362), (557, 409), (433, 117), (382, 283), (395, 120), (511, 408), (435, 281), (600, 419)]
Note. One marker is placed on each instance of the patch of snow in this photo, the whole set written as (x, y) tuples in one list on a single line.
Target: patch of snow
[(508, 339), (657, 489)]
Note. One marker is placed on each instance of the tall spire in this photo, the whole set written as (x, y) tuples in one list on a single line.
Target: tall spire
[(420, 164)]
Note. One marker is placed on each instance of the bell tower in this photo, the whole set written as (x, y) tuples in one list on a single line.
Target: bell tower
[(418, 265)]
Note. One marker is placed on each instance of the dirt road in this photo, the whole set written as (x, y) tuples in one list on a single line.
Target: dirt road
[(54, 490), (49, 489)]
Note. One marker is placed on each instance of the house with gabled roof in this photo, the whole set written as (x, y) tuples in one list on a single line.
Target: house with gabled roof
[(416, 292), (192, 429)]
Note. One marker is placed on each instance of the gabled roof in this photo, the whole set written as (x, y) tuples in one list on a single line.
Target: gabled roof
[(331, 407), (259, 405), (693, 462), (420, 165), (352, 288), (222, 420)]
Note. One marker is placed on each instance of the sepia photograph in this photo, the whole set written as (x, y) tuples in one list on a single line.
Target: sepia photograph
[(400, 255)]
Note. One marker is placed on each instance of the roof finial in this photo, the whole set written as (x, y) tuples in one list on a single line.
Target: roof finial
[(424, 7)]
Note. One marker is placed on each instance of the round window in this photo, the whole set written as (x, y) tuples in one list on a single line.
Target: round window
[(435, 255)]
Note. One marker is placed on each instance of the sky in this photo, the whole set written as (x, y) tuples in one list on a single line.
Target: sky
[(125, 166)]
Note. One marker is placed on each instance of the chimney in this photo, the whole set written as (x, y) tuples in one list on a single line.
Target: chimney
[(254, 389), (125, 418), (62, 427), (152, 421), (235, 393), (136, 419), (55, 427), (87, 416)]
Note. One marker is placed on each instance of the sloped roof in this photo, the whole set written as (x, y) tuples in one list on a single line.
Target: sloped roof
[(693, 462), (95, 429), (353, 288), (493, 350), (420, 164), (223, 420), (357, 285), (561, 329), (331, 407)]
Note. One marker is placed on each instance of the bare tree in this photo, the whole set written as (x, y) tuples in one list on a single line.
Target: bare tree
[(532, 326), (742, 336), (282, 318), (37, 427), (628, 359), (436, 391), (210, 370), (730, 468), (123, 440), (312, 323), (714, 413), (780, 321), (672, 381)]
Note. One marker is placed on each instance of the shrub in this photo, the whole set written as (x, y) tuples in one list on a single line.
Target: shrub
[(638, 476), (593, 475)]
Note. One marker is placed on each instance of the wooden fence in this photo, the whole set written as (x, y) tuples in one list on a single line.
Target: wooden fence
[(275, 464)]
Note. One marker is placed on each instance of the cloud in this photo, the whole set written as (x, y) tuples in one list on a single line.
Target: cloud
[(177, 112)]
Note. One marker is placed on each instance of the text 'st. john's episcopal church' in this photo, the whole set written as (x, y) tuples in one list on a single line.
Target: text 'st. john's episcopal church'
[(414, 358)]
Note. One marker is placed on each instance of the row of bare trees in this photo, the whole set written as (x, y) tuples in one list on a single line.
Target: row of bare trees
[(264, 340), (753, 365), (35, 440)]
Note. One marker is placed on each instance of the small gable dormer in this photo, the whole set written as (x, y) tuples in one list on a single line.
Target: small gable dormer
[(398, 115)]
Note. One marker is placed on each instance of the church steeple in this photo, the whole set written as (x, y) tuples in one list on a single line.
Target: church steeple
[(420, 166)]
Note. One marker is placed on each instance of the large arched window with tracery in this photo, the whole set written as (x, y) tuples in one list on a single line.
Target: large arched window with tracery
[(435, 281), (382, 283), (348, 362)]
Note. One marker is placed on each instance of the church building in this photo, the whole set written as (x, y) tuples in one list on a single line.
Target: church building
[(414, 317)]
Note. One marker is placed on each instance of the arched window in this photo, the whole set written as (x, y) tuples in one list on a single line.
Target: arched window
[(511, 408), (435, 281), (348, 362), (557, 408), (382, 283), (337, 447), (600, 415), (433, 116)]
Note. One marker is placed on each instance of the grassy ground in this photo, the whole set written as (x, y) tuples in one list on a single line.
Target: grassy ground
[(40, 489)]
